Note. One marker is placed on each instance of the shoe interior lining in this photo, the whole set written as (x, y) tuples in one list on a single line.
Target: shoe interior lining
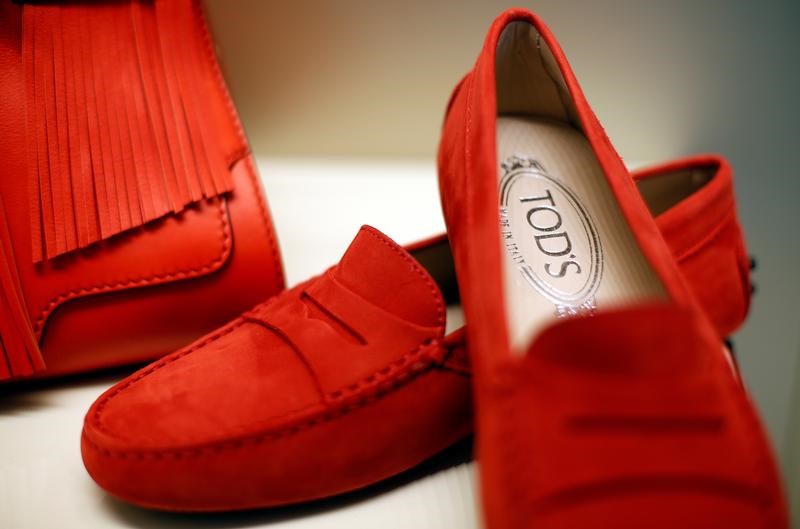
[(660, 191), (567, 248), (665, 190)]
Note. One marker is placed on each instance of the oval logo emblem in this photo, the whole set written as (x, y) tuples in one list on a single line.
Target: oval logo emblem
[(549, 235)]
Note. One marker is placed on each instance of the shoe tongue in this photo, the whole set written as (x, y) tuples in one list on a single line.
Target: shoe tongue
[(386, 275)]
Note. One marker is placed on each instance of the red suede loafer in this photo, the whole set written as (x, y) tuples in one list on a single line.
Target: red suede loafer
[(603, 396), (692, 200), (248, 415), (332, 385)]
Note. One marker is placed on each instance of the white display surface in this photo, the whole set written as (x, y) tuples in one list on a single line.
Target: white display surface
[(317, 207)]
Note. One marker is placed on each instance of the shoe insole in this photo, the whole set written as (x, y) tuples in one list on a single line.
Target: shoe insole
[(568, 250)]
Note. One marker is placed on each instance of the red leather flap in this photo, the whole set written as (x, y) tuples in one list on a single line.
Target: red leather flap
[(188, 241), (194, 243)]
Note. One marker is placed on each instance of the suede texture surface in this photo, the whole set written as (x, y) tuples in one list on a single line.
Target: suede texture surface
[(330, 386), (348, 378), (705, 236), (268, 392), (629, 418)]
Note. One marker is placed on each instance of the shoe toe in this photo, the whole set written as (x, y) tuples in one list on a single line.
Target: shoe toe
[(150, 437)]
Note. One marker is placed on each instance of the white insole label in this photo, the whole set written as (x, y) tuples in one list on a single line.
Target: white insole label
[(549, 236)]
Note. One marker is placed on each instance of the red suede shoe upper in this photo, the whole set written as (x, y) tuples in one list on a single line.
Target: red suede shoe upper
[(345, 372), (706, 239), (595, 457), (568, 440), (702, 230), (280, 392), (468, 186)]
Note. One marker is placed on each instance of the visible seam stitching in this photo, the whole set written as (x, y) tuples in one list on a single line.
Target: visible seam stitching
[(269, 324), (382, 388), (222, 88), (373, 379), (418, 269), (225, 231), (144, 280)]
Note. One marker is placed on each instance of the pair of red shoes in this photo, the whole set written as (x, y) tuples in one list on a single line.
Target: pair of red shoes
[(603, 394)]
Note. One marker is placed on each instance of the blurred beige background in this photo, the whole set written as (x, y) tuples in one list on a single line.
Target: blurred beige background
[(370, 79)]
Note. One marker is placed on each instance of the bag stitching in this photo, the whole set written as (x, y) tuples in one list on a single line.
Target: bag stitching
[(225, 231), (144, 280), (244, 151)]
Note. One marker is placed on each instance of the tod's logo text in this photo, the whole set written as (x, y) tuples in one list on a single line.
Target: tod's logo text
[(549, 235)]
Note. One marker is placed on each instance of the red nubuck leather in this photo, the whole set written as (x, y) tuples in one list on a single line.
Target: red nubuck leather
[(131, 216), (705, 237), (626, 418), (350, 371)]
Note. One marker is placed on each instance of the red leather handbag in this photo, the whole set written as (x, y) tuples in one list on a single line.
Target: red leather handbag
[(131, 216)]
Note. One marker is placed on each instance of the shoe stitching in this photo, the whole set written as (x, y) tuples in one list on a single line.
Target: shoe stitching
[(381, 389), (283, 334), (435, 294), (193, 272)]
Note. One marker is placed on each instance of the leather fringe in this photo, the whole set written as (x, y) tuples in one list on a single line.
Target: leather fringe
[(116, 125)]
